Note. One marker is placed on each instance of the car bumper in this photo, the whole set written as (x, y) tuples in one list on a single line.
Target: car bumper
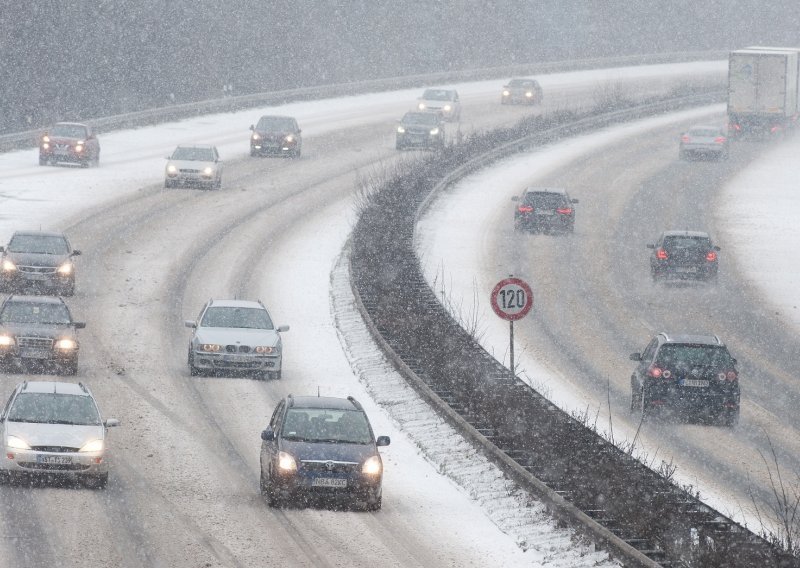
[(64, 156), (20, 279), (51, 360), (544, 222), (266, 147), (693, 398), (67, 464), (191, 179), (684, 272), (358, 487), (236, 362), (418, 141), (703, 149), (519, 99)]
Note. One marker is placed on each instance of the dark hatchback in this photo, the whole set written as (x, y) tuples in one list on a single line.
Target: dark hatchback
[(38, 260), (544, 210), (691, 374), (420, 130), (321, 448), (684, 255), (276, 135), (38, 333)]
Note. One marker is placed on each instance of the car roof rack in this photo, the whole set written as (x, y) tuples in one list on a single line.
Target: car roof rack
[(83, 387), (355, 403)]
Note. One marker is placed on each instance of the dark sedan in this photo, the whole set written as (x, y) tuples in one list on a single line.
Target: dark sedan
[(544, 210), (276, 135), (420, 130), (521, 91), (38, 333), (684, 255), (324, 448), (38, 260)]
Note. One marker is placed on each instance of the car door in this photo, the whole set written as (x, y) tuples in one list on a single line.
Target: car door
[(647, 358), (269, 448)]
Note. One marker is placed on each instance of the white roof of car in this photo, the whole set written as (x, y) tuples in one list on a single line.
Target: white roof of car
[(237, 303), (54, 387)]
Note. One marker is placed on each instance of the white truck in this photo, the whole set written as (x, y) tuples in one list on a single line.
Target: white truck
[(762, 90)]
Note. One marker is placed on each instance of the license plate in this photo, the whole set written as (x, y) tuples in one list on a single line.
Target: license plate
[(34, 353), (547, 213), (229, 358), (54, 460), (328, 482), (34, 276), (687, 269), (695, 383)]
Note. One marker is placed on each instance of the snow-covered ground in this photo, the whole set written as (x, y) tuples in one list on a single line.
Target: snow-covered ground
[(131, 160)]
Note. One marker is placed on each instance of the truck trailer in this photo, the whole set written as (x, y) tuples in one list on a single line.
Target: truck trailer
[(762, 91)]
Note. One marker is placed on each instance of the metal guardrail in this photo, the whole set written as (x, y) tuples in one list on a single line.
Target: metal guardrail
[(585, 481), (28, 139)]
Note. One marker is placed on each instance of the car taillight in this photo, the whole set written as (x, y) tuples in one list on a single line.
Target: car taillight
[(661, 254), (685, 138), (720, 139), (729, 376), (565, 210), (655, 372), (736, 127), (525, 208), (711, 256)]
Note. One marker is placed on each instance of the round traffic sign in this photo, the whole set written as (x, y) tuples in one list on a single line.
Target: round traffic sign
[(512, 299)]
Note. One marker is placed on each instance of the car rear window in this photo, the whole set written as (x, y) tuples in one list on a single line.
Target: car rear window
[(686, 242), (437, 95), (704, 132), (690, 355), (425, 118), (30, 312), (53, 408), (275, 124), (38, 244), (68, 131), (544, 200)]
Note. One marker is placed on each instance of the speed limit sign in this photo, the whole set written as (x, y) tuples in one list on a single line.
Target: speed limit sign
[(512, 299)]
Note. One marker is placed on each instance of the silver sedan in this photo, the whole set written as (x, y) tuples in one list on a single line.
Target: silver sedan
[(704, 141), (196, 165)]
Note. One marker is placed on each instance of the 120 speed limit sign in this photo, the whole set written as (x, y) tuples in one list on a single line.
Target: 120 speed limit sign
[(512, 299)]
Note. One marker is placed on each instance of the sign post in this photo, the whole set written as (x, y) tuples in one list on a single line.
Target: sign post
[(512, 299)]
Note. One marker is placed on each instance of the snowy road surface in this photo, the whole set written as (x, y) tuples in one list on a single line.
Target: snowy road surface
[(184, 467)]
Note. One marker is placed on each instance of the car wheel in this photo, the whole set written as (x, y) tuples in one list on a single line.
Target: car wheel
[(645, 404), (683, 156), (296, 153), (70, 368), (267, 491), (43, 161), (398, 146), (68, 290), (636, 399), (374, 505), (275, 375), (253, 153), (96, 481), (730, 418), (218, 184)]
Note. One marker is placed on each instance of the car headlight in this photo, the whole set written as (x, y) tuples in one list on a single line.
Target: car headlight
[(79, 147), (256, 136), (373, 466), (45, 145), (289, 138), (66, 344), (265, 349), (208, 170), (434, 132), (448, 108), (421, 106), (401, 130), (45, 138), (506, 93), (6, 341), (93, 446), (529, 94), (172, 169), (8, 266), (17, 443), (286, 462), (213, 347), (65, 269)]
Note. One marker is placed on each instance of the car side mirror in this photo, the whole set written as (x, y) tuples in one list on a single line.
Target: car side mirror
[(2, 249), (573, 201), (717, 248), (111, 423), (268, 435), (283, 328), (651, 246), (252, 127), (383, 441), (190, 323), (515, 198), (636, 356), (299, 131), (76, 253), (734, 360), (79, 324)]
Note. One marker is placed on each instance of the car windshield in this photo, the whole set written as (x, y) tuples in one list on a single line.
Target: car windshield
[(688, 355), (38, 244), (250, 318), (705, 132), (544, 200), (437, 95), (424, 118), (68, 131), (32, 312), (326, 425), (686, 242), (275, 124), (54, 408), (520, 83), (193, 153)]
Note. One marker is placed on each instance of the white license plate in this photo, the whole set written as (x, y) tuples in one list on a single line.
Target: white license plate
[(695, 383), (687, 269), (34, 276), (547, 213), (34, 353), (54, 460), (328, 482)]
